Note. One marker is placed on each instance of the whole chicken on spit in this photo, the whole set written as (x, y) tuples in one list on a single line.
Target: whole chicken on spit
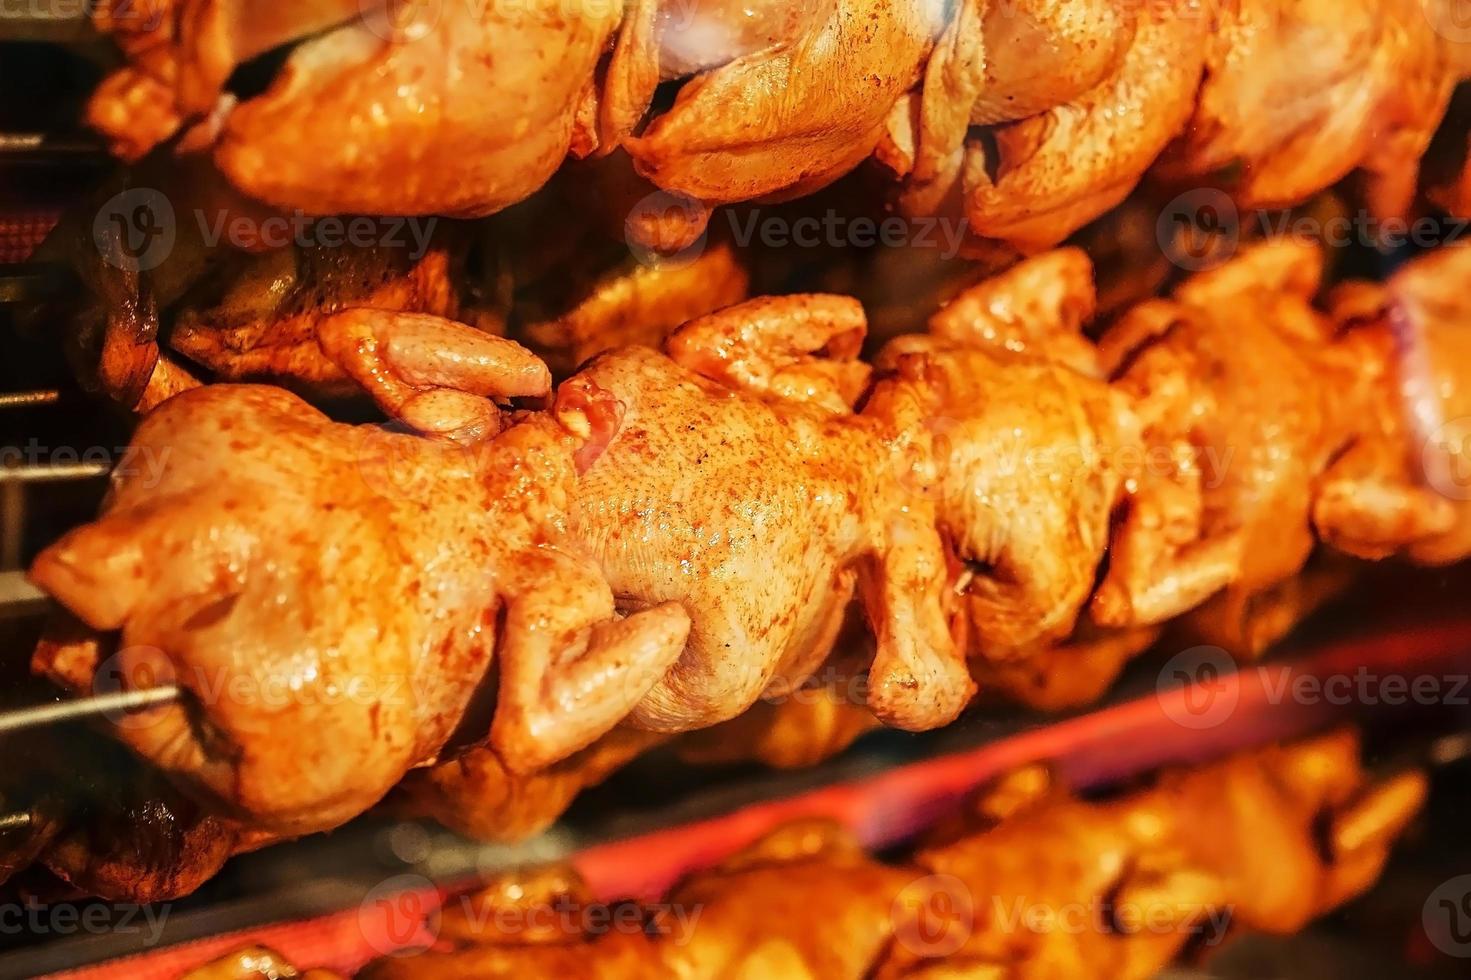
[(735, 479), (1027, 119), (1045, 473), (1031, 883), (294, 575), (1241, 367), (1274, 838)]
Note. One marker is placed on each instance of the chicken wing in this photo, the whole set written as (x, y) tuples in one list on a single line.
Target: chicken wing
[(259, 497)]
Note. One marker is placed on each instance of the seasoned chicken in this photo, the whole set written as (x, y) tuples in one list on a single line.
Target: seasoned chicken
[(1033, 182), (1241, 367), (256, 963), (634, 304), (998, 63), (1045, 472), (1299, 93), (259, 499), (1420, 324), (179, 55), (804, 903), (1046, 176), (790, 118), (474, 793), (741, 485), (258, 316), (801, 728), (360, 123), (1266, 840), (736, 482), (371, 117)]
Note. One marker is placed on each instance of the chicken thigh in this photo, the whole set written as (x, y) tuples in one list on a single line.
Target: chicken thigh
[(327, 596)]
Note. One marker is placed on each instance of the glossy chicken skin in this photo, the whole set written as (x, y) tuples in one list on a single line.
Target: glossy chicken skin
[(1044, 472), (260, 317), (998, 63), (370, 117), (256, 963), (1242, 367), (804, 903), (1239, 841), (474, 793), (357, 123), (1059, 170), (1381, 80), (191, 563), (740, 485), (790, 118), (1266, 840), (641, 304), (1421, 322)]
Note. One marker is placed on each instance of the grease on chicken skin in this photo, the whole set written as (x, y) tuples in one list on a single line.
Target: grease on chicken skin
[(760, 503), (341, 585)]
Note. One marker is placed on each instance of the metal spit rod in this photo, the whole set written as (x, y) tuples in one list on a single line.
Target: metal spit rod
[(76, 709)]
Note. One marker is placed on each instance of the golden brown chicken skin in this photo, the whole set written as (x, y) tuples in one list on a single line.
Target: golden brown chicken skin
[(1242, 367), (790, 118), (740, 485), (1031, 883), (805, 903), (1060, 888), (1045, 472), (1419, 324), (1299, 93), (474, 793), (735, 481), (294, 575)]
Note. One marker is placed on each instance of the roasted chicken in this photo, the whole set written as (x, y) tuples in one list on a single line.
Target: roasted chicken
[(1380, 80), (1279, 415), (736, 481), (1045, 473), (1264, 841), (1026, 120), (252, 576)]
